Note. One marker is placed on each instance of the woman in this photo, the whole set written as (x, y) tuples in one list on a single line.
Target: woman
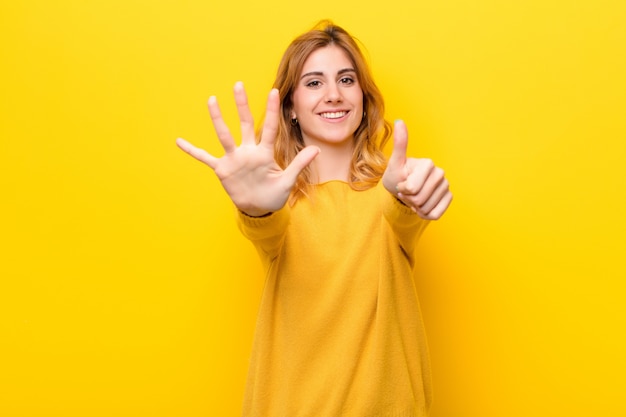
[(339, 331)]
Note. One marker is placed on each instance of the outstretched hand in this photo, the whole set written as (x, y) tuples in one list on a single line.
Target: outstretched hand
[(418, 183), (249, 172)]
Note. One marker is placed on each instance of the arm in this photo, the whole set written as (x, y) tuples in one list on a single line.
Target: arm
[(248, 172), (266, 233), (406, 226)]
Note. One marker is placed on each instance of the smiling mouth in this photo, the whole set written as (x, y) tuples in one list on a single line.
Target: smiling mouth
[(333, 115)]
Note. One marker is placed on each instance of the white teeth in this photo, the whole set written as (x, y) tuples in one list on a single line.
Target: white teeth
[(334, 115)]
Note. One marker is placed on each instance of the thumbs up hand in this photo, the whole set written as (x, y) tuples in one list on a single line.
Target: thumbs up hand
[(418, 183)]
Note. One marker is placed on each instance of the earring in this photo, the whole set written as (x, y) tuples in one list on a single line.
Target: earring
[(294, 121)]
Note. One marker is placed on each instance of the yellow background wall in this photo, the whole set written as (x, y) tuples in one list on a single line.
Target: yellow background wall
[(126, 290)]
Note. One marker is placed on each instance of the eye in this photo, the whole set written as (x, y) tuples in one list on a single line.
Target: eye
[(346, 80), (313, 83)]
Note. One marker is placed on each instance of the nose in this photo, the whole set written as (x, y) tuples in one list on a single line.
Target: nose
[(333, 95)]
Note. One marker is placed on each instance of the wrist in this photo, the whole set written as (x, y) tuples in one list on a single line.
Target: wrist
[(255, 214), (400, 201)]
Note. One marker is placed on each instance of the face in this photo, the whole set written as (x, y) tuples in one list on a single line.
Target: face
[(328, 100)]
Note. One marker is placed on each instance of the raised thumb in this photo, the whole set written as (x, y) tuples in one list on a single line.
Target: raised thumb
[(400, 144), (301, 161)]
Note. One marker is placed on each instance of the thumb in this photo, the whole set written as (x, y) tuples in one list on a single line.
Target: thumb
[(400, 144), (301, 161), (200, 154)]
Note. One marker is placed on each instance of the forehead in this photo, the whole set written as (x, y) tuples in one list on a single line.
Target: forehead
[(329, 58)]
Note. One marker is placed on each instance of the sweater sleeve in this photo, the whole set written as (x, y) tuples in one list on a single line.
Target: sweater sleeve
[(266, 233), (404, 222)]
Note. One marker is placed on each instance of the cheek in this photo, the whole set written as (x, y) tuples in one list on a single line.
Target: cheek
[(299, 102), (358, 104), (357, 99), (360, 98)]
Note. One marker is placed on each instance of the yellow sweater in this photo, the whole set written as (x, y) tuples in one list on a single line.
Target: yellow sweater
[(339, 331)]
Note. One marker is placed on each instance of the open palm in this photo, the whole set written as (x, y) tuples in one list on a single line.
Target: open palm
[(249, 172)]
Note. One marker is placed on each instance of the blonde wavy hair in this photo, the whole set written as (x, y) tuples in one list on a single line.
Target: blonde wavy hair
[(368, 161)]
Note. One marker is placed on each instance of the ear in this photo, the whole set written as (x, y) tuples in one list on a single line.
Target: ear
[(292, 114)]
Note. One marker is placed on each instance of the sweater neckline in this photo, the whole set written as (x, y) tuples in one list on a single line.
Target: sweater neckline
[(331, 182)]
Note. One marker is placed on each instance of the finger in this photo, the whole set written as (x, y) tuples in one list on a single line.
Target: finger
[(437, 195), (420, 170), (439, 209), (301, 161), (434, 178), (400, 143), (200, 154), (245, 115), (272, 115), (222, 131)]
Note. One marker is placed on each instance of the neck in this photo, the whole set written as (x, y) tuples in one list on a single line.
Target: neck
[(333, 162)]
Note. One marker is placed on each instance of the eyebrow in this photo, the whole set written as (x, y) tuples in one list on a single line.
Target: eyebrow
[(319, 73)]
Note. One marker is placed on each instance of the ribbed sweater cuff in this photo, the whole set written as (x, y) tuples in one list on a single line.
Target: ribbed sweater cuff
[(257, 228)]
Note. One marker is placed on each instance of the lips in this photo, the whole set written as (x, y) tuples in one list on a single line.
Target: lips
[(333, 114)]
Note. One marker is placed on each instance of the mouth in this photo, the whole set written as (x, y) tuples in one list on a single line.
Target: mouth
[(333, 115)]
